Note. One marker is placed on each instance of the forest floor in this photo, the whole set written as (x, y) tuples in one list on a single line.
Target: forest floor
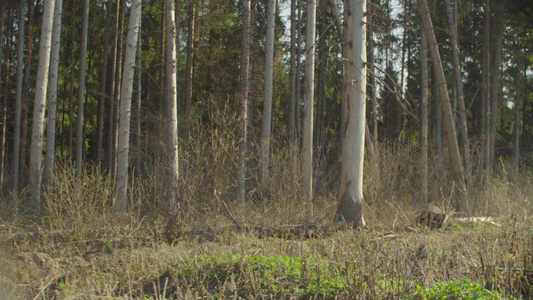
[(147, 260)]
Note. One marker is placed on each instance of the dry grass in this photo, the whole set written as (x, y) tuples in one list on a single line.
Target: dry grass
[(81, 249)]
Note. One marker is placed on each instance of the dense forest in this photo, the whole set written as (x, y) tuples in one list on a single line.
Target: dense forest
[(246, 131), (215, 149)]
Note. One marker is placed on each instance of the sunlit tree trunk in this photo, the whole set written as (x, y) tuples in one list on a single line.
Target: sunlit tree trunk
[(125, 106), (171, 98), (309, 93), (243, 99), (52, 102), (267, 100), (18, 99), (39, 106), (453, 147), (350, 208)]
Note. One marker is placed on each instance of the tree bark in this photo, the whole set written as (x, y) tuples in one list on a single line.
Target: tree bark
[(424, 118), (309, 93), (172, 97), (189, 71), (267, 100), (463, 126), (39, 106), (81, 88), (18, 99), (243, 100), (52, 104), (6, 88), (292, 89), (103, 96), (350, 208), (125, 106), (453, 147)]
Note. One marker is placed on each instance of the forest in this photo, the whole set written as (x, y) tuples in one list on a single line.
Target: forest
[(278, 149)]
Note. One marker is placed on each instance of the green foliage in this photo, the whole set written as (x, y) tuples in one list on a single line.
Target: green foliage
[(461, 289)]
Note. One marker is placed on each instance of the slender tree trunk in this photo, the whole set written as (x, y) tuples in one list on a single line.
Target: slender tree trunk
[(485, 99), (7, 88), (103, 96), (52, 104), (243, 100), (171, 97), (189, 72), (495, 74), (463, 126), (350, 208), (297, 114), (81, 88), (73, 36), (371, 75), (26, 87), (18, 99), (39, 106), (321, 84), (309, 93), (424, 118), (292, 89), (125, 106), (267, 100), (115, 100), (139, 103), (453, 147)]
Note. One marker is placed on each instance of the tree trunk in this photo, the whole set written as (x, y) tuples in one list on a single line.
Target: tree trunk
[(321, 85), (39, 106), (139, 104), (52, 104), (7, 89), (495, 73), (267, 100), (18, 99), (350, 208), (243, 100), (292, 89), (125, 106), (189, 71), (485, 93), (171, 98), (81, 88), (453, 147), (371, 75), (309, 93), (424, 118), (117, 78), (517, 131), (463, 126), (103, 96)]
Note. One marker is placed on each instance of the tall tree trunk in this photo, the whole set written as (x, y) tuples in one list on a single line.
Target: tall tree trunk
[(139, 103), (18, 99), (517, 131), (267, 100), (453, 147), (39, 106), (243, 100), (485, 99), (125, 106), (7, 88), (350, 208), (103, 95), (52, 104), (189, 71), (26, 87), (171, 98), (309, 93), (292, 89), (463, 126), (424, 118), (495, 73), (72, 79), (371, 75), (321, 84), (116, 93), (81, 88)]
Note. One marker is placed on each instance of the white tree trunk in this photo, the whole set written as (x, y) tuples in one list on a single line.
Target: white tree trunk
[(309, 93), (18, 97), (125, 106), (267, 100), (52, 104), (350, 207), (39, 106), (81, 88), (171, 97)]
